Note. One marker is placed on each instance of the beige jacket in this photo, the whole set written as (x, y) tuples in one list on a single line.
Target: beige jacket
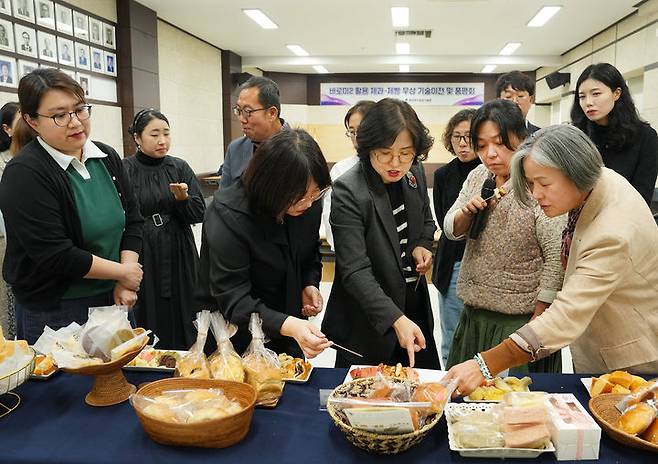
[(608, 307)]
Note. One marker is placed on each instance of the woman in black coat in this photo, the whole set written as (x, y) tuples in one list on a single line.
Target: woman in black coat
[(383, 231), (260, 245)]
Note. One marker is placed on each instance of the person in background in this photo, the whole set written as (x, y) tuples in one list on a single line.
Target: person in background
[(260, 249), (606, 310), (603, 108), (511, 271), (383, 230), (9, 114), (352, 121), (73, 238), (448, 181), (519, 88), (259, 111), (170, 200)]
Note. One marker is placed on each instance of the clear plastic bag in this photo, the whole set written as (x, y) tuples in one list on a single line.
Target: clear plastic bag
[(646, 393), (262, 367), (225, 363), (194, 364), (106, 328)]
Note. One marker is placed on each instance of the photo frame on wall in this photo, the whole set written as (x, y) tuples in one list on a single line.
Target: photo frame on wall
[(26, 40), (95, 31), (47, 46), (26, 67), (6, 35), (97, 60), (5, 7), (110, 62), (8, 71), (82, 60), (109, 37), (85, 82), (45, 13), (24, 9), (65, 51), (80, 25), (64, 19)]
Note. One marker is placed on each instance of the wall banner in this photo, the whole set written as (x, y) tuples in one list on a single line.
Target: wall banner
[(414, 93)]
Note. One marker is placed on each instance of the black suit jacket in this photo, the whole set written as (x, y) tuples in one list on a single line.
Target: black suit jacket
[(369, 290), (532, 128)]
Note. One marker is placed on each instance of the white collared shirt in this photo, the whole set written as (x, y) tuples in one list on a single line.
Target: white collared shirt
[(89, 150)]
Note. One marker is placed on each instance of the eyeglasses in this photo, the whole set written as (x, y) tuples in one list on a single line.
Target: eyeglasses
[(247, 112), (64, 119), (386, 158), (350, 133), (312, 199), (457, 139)]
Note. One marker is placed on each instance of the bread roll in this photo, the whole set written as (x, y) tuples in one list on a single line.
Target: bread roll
[(637, 418), (651, 434)]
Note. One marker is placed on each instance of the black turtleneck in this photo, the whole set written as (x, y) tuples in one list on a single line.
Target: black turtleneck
[(148, 160)]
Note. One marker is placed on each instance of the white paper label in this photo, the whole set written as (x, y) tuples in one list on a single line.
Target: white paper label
[(388, 421)]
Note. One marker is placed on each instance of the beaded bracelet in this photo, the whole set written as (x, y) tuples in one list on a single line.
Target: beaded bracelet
[(483, 367)]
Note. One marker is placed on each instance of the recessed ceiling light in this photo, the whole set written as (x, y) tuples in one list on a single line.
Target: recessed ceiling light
[(297, 50), (261, 19), (488, 68), (402, 48), (400, 16), (509, 48), (321, 69), (404, 68), (543, 16)]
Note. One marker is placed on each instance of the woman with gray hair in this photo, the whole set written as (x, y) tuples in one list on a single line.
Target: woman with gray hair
[(606, 309)]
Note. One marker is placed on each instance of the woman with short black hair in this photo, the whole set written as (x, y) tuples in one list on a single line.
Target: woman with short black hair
[(260, 245)]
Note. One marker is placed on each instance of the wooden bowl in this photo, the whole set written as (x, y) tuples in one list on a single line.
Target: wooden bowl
[(110, 386), (606, 414), (216, 433)]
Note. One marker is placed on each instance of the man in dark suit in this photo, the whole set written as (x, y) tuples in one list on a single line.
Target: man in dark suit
[(258, 108), (519, 88)]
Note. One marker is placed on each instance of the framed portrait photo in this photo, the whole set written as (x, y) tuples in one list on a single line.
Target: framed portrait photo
[(110, 63), (45, 13), (97, 60), (24, 9), (80, 25), (26, 67), (26, 40), (6, 35), (82, 56), (64, 16), (85, 82), (5, 7), (65, 51), (95, 31), (109, 37), (47, 46), (8, 71)]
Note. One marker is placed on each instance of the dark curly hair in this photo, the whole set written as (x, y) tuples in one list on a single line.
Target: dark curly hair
[(461, 116), (383, 123)]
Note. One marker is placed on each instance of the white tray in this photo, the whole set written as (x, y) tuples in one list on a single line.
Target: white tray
[(523, 453), (157, 368), (425, 375), (587, 381)]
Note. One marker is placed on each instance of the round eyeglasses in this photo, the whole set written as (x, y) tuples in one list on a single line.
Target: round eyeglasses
[(386, 158), (64, 119)]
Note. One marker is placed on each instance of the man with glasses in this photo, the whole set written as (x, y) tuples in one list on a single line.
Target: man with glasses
[(519, 88), (258, 109)]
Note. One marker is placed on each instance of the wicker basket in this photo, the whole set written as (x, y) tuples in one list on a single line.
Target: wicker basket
[(216, 433), (370, 441), (606, 414), (19, 376)]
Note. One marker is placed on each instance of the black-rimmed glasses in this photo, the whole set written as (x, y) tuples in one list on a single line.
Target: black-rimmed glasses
[(457, 139), (247, 112), (64, 119)]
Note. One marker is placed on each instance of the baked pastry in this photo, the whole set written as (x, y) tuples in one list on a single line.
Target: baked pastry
[(265, 377), (193, 365), (637, 418), (651, 434), (226, 366)]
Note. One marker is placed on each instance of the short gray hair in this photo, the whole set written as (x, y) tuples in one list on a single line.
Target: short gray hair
[(563, 147)]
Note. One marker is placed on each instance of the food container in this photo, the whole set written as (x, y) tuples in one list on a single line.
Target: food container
[(573, 431)]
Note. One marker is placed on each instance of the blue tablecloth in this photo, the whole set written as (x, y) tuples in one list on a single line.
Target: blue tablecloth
[(53, 424)]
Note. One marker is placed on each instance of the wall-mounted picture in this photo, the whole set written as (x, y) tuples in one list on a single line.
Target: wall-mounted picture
[(109, 38), (110, 63), (82, 56), (24, 9), (97, 60), (64, 19), (65, 51), (95, 31), (8, 71), (5, 7), (85, 82), (26, 40), (26, 67), (80, 25), (47, 46), (68, 72), (45, 12), (6, 35)]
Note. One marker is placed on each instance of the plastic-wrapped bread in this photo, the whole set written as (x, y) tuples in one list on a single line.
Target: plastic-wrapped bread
[(195, 364), (262, 367), (225, 363)]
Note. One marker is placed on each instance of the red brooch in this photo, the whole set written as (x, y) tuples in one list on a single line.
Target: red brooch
[(411, 179)]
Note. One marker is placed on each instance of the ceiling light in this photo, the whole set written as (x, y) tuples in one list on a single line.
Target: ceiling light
[(404, 68), (261, 19), (509, 48), (402, 48), (297, 50), (488, 68), (400, 16), (321, 69), (543, 16)]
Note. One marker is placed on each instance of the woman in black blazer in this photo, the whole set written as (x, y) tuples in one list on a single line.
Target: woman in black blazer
[(260, 245), (383, 231)]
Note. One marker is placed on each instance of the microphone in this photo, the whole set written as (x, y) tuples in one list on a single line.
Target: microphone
[(480, 219)]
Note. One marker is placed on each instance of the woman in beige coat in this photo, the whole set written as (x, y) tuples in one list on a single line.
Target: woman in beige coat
[(607, 310)]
